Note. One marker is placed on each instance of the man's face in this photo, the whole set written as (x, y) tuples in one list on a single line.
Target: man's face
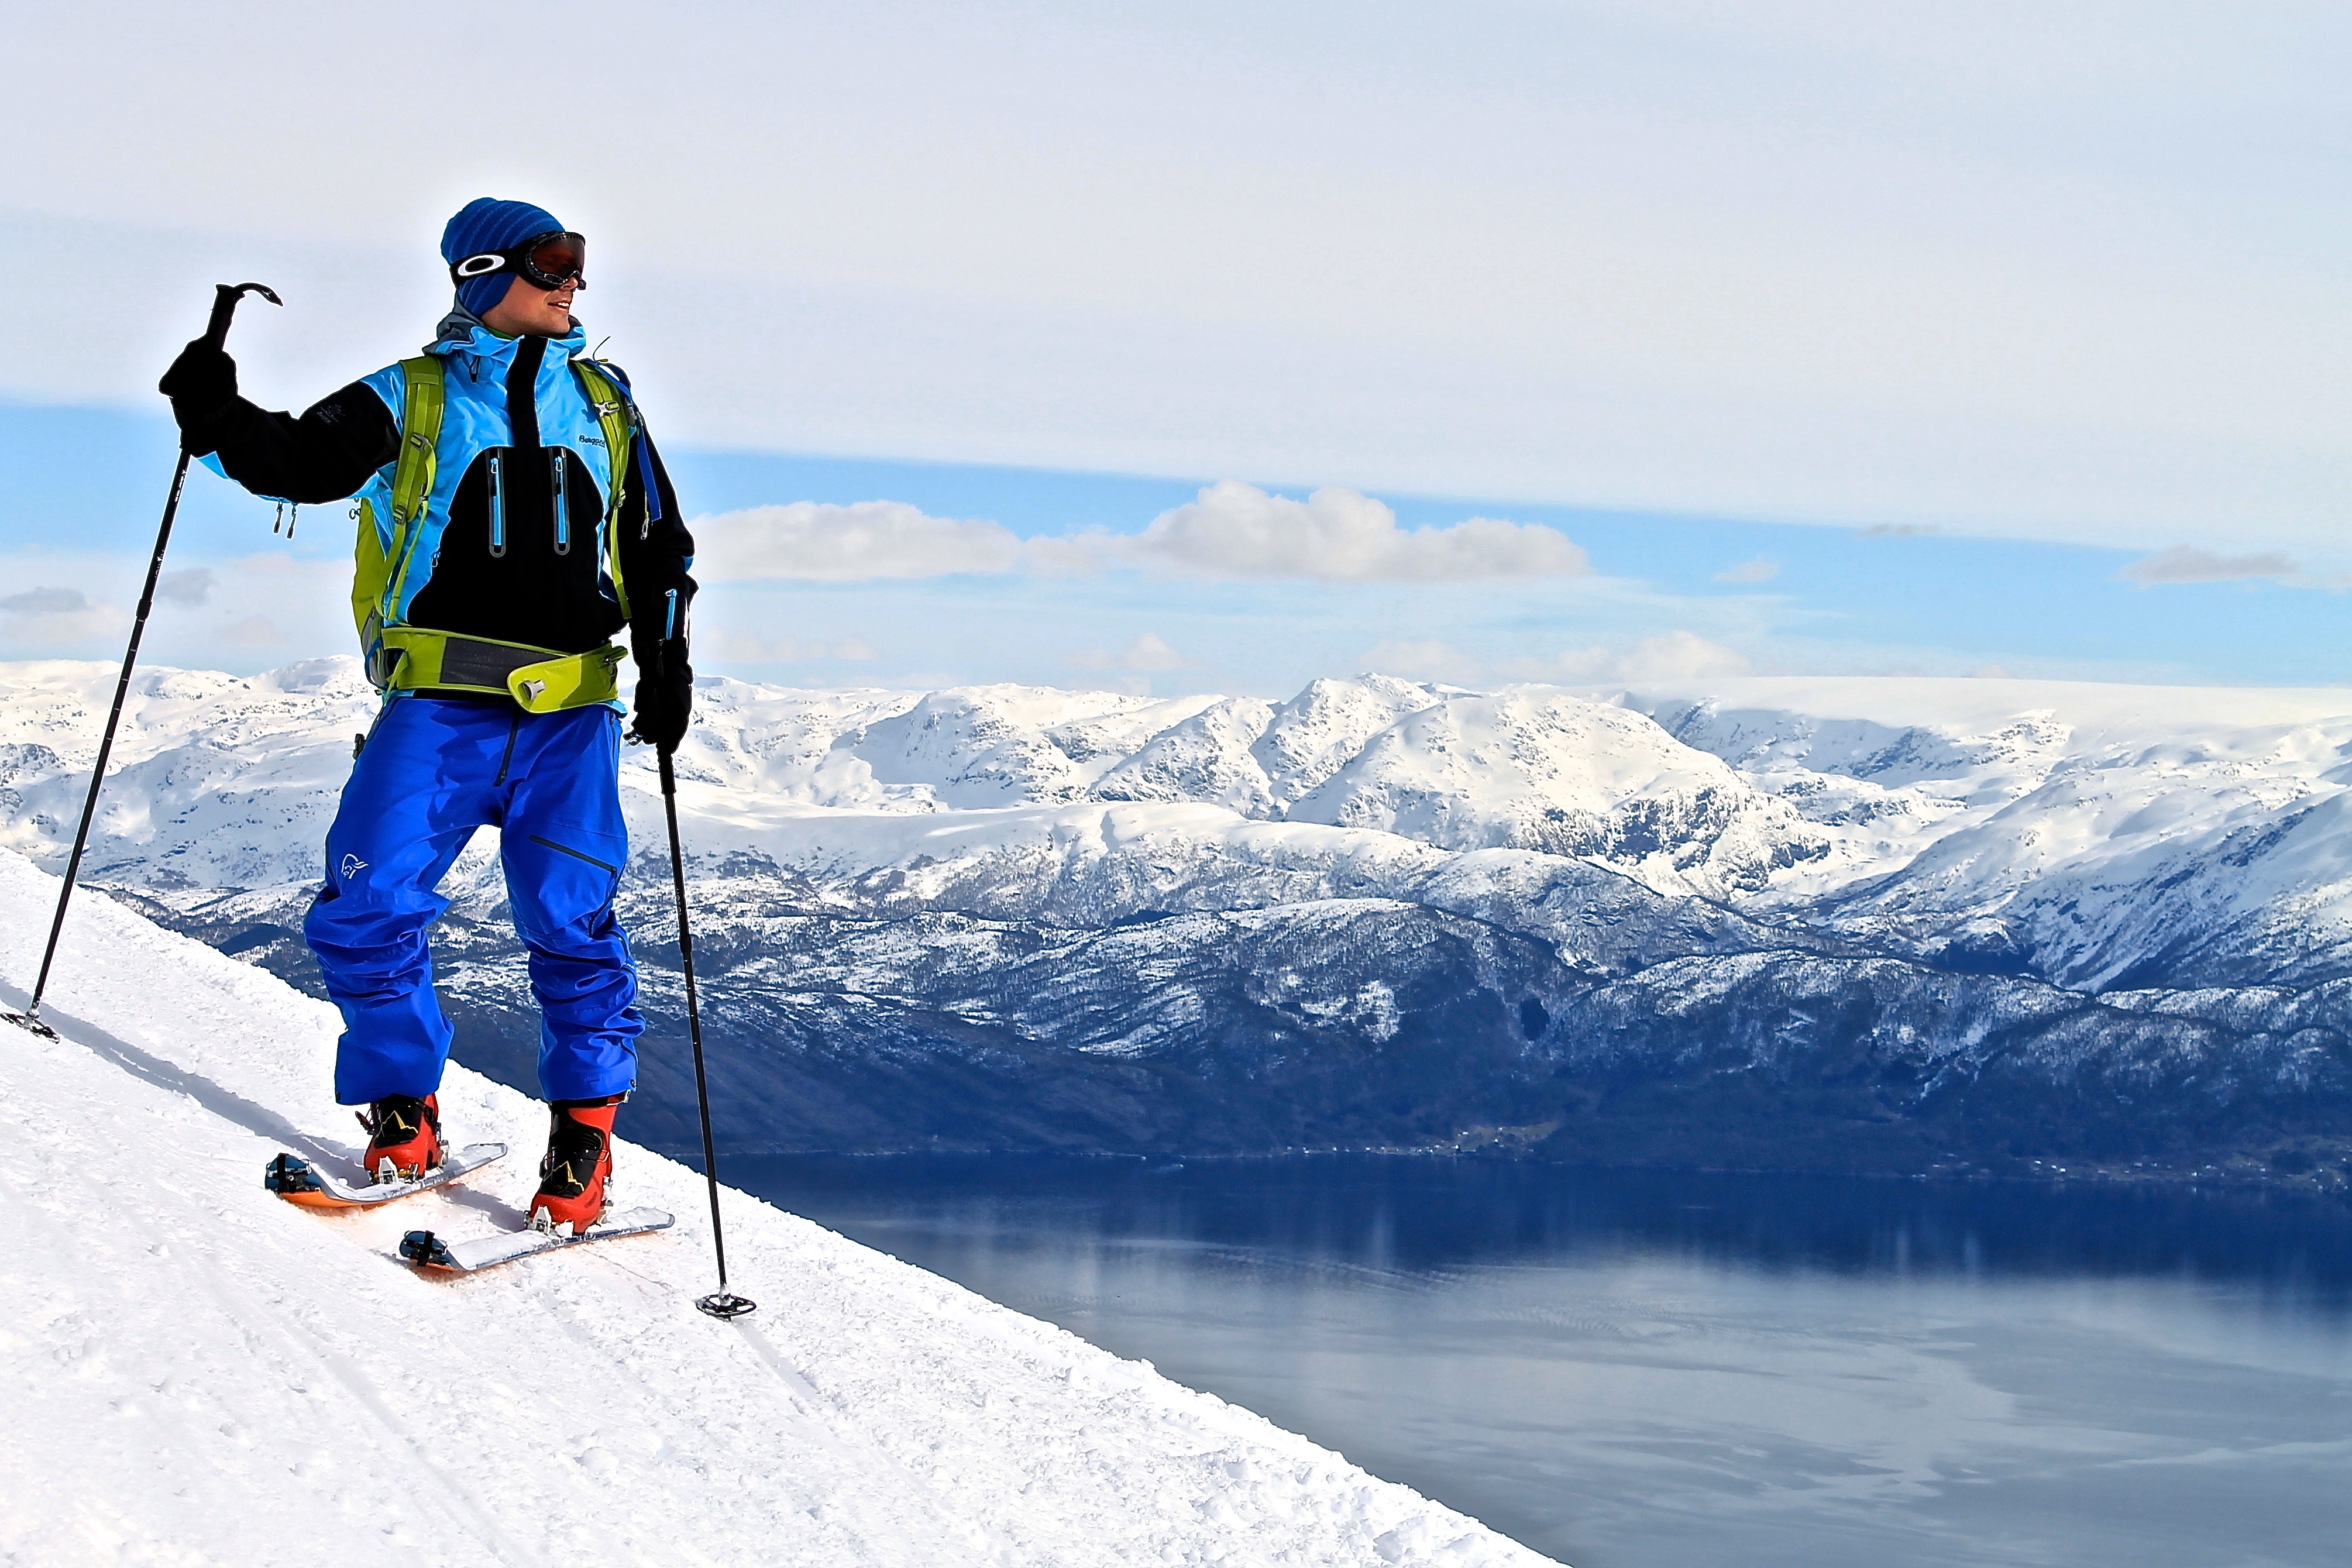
[(530, 310)]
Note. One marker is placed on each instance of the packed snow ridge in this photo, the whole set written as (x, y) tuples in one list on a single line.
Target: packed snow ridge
[(198, 1374)]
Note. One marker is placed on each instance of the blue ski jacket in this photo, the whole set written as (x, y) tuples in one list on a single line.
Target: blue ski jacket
[(515, 547)]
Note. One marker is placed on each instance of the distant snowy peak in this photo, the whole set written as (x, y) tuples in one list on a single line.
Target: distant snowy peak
[(1325, 727), (1207, 758), (777, 740), (965, 750), (1531, 769), (1538, 769), (1950, 761), (982, 746)]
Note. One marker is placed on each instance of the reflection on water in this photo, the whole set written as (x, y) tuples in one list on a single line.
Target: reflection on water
[(1638, 1368)]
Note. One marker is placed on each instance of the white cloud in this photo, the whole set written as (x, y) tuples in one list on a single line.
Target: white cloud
[(1233, 531), (191, 587), (253, 631), (744, 648), (1080, 553), (57, 615), (2187, 563), (815, 542), (1668, 657), (1338, 535), (1761, 570), (1146, 652)]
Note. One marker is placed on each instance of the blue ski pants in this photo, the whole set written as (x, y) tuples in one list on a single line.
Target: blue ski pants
[(432, 771)]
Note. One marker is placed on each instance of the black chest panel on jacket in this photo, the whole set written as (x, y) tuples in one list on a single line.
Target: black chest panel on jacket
[(513, 566), (517, 559)]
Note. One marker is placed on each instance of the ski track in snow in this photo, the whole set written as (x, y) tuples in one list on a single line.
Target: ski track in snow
[(195, 1373)]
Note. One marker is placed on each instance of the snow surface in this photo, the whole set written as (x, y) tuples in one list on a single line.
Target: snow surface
[(197, 1372)]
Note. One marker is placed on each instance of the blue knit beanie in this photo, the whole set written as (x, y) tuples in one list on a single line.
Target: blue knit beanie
[(487, 224)]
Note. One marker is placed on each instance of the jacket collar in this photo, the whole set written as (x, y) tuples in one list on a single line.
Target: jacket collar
[(484, 355)]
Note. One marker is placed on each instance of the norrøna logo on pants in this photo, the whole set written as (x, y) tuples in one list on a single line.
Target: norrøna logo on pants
[(352, 866)]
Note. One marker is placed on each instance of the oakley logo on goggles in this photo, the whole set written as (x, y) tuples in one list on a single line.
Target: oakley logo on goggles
[(549, 261)]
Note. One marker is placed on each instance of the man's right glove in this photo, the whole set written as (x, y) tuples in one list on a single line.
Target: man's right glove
[(201, 384), (665, 693)]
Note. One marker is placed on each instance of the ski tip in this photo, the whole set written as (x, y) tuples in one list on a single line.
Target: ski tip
[(289, 1177), (425, 1249)]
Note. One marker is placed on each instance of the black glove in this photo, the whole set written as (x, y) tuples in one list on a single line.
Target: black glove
[(665, 693), (201, 384)]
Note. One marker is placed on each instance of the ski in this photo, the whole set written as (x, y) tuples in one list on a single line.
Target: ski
[(298, 1181), (427, 1250)]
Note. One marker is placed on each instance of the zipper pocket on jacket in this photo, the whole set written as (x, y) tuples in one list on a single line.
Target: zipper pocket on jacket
[(497, 506), (563, 512)]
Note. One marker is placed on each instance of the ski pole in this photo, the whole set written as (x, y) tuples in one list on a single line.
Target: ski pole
[(721, 1303), (225, 301)]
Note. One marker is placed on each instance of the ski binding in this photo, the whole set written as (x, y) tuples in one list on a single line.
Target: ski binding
[(427, 1250), (299, 1182)]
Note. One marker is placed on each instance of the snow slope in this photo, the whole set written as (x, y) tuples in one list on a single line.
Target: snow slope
[(197, 1374)]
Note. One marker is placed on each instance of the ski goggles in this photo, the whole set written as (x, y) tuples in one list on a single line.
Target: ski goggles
[(550, 260)]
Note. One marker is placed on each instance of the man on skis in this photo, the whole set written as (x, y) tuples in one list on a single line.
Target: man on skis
[(512, 516)]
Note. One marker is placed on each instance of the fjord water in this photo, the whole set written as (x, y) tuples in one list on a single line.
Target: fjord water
[(1623, 1368)]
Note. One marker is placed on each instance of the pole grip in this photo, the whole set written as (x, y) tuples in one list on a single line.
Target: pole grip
[(224, 298)]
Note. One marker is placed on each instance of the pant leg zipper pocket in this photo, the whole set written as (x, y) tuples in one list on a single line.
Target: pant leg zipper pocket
[(576, 854)]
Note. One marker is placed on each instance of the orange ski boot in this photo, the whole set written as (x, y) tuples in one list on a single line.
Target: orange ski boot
[(403, 1137), (578, 1162)]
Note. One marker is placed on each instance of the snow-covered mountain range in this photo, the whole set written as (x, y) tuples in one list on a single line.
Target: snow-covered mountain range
[(1957, 920)]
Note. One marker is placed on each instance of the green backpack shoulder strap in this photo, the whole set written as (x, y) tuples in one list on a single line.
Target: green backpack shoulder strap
[(375, 580), (617, 416), (420, 435)]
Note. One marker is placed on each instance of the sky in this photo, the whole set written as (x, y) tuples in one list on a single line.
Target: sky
[(1217, 347)]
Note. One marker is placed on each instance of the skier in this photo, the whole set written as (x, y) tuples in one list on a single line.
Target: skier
[(512, 514)]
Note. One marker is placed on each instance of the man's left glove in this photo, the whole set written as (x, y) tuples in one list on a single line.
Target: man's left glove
[(201, 384), (665, 693)]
